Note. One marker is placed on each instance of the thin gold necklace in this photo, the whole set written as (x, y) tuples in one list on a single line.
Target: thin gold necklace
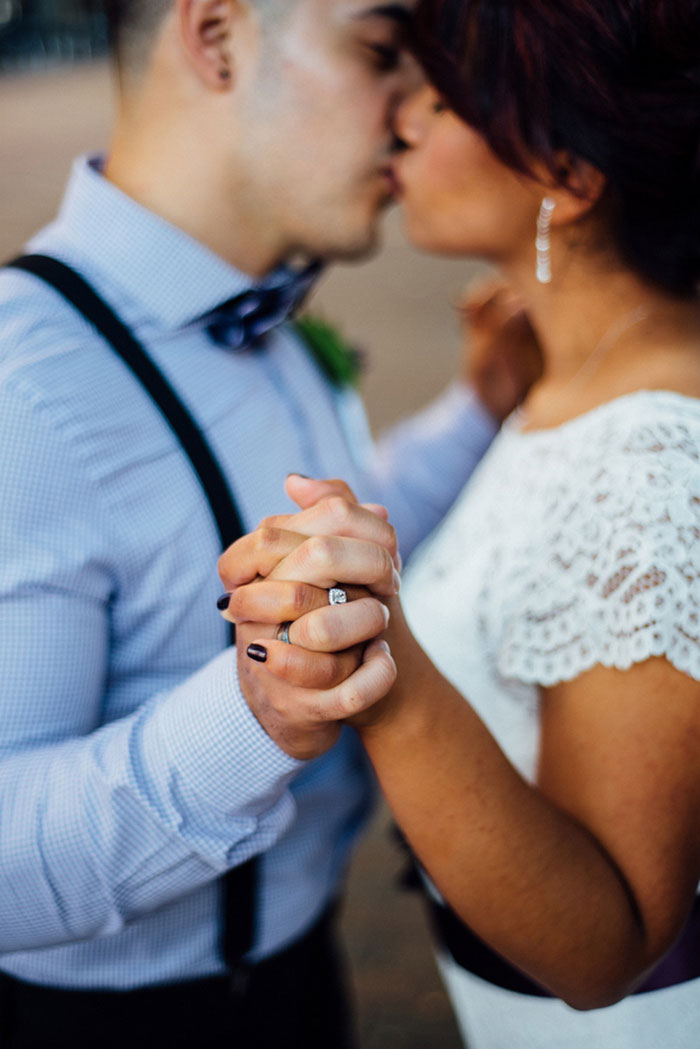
[(606, 342)]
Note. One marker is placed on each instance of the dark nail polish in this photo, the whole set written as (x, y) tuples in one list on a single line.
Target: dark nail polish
[(257, 652), (223, 602)]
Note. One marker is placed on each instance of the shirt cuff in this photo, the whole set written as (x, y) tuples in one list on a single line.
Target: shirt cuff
[(205, 734)]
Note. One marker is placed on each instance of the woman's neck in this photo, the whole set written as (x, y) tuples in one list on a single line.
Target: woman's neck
[(604, 334)]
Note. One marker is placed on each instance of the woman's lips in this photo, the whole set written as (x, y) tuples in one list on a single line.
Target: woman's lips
[(393, 181)]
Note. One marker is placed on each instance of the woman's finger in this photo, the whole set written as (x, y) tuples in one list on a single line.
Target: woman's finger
[(368, 676), (325, 561), (335, 515), (369, 684), (319, 671), (256, 554), (280, 600), (337, 627), (305, 491)]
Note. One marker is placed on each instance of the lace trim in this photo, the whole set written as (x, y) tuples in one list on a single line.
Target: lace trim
[(619, 579)]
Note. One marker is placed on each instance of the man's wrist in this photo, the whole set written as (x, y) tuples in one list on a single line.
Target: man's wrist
[(205, 726)]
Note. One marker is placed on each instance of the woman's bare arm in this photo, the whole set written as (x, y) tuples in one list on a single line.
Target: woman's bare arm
[(585, 879)]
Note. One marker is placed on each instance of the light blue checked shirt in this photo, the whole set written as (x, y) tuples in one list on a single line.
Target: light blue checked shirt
[(132, 773)]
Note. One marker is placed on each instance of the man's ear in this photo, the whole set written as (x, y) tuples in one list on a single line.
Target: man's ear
[(206, 30)]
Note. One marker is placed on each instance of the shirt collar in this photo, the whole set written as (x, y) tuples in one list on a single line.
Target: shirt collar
[(173, 278)]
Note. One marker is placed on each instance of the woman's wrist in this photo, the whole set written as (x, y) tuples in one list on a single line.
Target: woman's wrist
[(403, 705)]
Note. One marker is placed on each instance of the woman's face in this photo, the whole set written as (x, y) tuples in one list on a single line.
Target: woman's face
[(457, 197)]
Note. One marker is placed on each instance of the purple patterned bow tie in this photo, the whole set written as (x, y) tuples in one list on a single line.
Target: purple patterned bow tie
[(244, 321)]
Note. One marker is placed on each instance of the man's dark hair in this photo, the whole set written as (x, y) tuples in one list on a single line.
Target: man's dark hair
[(133, 25)]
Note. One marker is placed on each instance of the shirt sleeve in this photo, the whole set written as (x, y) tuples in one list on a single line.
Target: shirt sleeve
[(102, 823), (420, 466)]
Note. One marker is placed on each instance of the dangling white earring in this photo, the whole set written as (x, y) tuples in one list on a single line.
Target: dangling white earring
[(542, 243)]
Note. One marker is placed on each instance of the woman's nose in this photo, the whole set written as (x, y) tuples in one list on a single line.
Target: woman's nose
[(412, 115)]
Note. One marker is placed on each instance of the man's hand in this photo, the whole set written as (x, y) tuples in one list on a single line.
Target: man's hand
[(306, 722), (502, 355), (300, 692)]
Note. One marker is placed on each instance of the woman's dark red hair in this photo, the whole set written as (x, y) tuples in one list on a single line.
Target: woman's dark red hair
[(615, 83)]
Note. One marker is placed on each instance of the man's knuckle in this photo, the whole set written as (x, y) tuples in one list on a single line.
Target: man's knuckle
[(317, 549), (266, 537), (260, 538), (339, 508)]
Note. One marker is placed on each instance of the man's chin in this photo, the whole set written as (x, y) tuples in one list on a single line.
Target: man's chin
[(362, 246), (348, 242)]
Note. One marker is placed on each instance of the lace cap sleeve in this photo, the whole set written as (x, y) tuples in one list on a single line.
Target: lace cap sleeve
[(616, 578)]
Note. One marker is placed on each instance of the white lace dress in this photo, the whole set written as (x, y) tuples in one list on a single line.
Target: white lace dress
[(570, 547)]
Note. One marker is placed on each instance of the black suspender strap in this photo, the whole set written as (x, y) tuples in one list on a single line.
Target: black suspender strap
[(85, 299), (238, 931)]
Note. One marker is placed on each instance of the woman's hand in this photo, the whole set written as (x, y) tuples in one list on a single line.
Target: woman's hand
[(502, 357), (282, 573), (605, 842)]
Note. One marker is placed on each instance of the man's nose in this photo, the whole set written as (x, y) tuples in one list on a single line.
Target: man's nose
[(413, 74)]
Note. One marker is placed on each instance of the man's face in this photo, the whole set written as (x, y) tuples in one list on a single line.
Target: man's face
[(314, 111)]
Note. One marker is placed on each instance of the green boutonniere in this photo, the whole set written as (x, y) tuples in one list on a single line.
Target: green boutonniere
[(339, 361)]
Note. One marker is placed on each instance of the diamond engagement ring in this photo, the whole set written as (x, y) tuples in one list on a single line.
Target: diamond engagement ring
[(337, 596), (283, 632)]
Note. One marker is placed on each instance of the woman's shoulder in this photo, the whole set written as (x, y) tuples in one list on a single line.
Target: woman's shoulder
[(639, 410), (617, 460), (633, 461), (661, 427), (616, 578)]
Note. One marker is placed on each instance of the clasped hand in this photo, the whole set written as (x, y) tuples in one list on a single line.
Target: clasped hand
[(337, 667)]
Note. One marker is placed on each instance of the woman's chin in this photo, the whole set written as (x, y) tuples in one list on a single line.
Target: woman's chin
[(418, 231), (422, 235)]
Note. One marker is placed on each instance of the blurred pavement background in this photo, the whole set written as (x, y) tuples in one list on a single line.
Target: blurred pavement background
[(397, 307)]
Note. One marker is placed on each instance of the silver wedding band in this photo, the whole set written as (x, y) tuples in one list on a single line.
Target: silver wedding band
[(283, 632), (337, 596)]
